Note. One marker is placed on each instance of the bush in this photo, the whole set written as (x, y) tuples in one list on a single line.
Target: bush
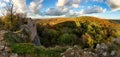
[(67, 39), (49, 37), (23, 48), (98, 38), (41, 51), (12, 38)]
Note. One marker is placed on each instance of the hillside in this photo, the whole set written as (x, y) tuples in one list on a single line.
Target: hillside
[(54, 21), (67, 25)]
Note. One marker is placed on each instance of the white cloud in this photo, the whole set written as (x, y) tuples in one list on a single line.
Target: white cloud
[(61, 3), (56, 11), (2, 4), (97, 0), (2, 12), (7, 0), (20, 6), (35, 6), (64, 7), (73, 13), (2, 7), (75, 5), (114, 4), (68, 3), (89, 10), (94, 9)]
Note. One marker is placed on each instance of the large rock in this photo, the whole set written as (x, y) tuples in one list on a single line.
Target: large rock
[(30, 27)]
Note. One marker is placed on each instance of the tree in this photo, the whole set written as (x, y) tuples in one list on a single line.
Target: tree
[(17, 21), (49, 37), (67, 39)]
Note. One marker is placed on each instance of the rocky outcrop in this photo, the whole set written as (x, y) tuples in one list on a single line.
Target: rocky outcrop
[(30, 27), (101, 50)]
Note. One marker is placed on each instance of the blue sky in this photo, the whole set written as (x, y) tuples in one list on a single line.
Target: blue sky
[(109, 9)]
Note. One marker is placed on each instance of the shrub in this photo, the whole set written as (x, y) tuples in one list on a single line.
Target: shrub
[(41, 51), (23, 48), (98, 38), (49, 37), (67, 39)]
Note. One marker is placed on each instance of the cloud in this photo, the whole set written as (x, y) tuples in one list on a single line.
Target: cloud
[(35, 6), (73, 13), (2, 12), (61, 3), (89, 10), (75, 5), (98, 0), (68, 3), (67, 8), (20, 6), (2, 7), (63, 7), (94, 9), (113, 4), (2, 4), (56, 11), (7, 0)]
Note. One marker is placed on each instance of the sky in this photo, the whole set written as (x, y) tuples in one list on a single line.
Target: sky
[(109, 9)]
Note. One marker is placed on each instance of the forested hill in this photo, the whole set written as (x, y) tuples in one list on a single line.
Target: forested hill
[(58, 31), (53, 21)]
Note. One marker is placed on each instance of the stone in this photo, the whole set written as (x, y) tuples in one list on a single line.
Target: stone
[(97, 46), (112, 53), (103, 46), (104, 54), (72, 53), (14, 55), (89, 52), (63, 56), (117, 40)]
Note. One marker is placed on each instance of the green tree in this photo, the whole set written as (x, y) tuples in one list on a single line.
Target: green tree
[(49, 37), (67, 39)]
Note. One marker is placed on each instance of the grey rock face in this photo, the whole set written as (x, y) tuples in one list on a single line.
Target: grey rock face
[(30, 27)]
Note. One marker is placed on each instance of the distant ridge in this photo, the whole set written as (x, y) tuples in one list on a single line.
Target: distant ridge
[(100, 21)]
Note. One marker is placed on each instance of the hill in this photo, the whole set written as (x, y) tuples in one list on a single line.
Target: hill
[(53, 21), (81, 28)]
